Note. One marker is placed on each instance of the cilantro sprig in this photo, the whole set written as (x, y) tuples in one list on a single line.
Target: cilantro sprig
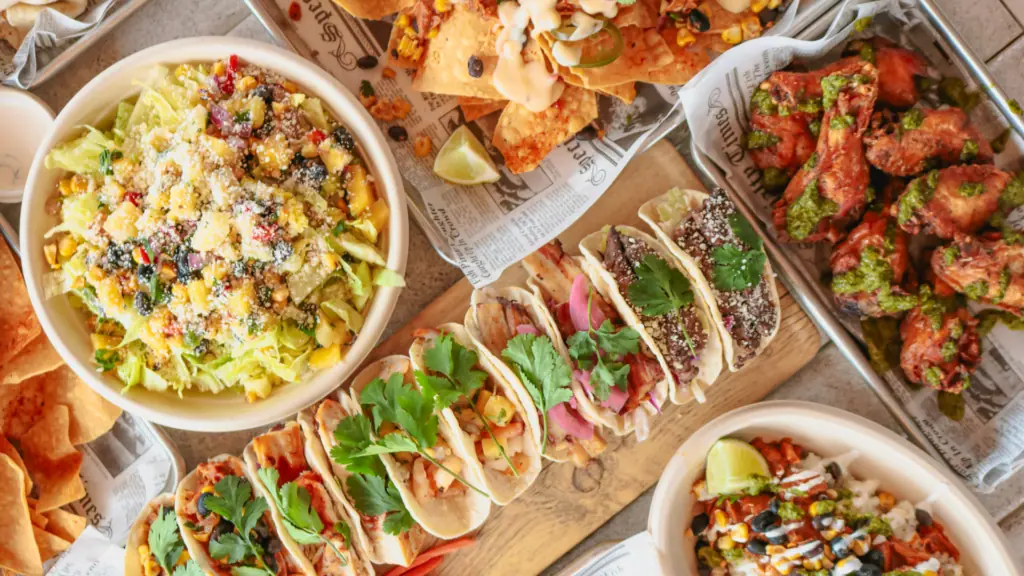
[(234, 502), (413, 412), (602, 351), (455, 378), (164, 540), (543, 372), (660, 290), (301, 520), (736, 268)]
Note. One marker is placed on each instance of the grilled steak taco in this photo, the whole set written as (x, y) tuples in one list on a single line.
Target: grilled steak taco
[(630, 385), (720, 250), (650, 290), (481, 408), (517, 337)]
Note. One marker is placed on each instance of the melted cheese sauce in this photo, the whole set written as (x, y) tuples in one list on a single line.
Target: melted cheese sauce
[(527, 83), (568, 53)]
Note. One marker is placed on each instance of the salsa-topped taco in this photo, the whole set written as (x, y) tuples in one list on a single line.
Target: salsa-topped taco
[(225, 525), (517, 337), (438, 487), (630, 385), (721, 252), (301, 503), (650, 290), (480, 407), (155, 546), (379, 542)]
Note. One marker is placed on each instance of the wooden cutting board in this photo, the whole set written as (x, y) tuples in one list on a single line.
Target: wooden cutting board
[(566, 504)]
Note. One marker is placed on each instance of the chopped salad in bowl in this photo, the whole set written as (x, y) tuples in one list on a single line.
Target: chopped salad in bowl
[(223, 232)]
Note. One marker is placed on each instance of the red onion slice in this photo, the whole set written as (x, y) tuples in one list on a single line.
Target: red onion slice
[(573, 424), (578, 299), (527, 329)]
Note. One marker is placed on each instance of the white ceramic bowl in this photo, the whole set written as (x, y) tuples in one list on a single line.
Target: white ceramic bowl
[(66, 328), (902, 469)]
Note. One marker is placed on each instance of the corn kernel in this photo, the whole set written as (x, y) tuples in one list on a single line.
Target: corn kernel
[(64, 186), (179, 294), (104, 341), (219, 68), (280, 295), (732, 34), (860, 546), (95, 274), (886, 500), (67, 246), (818, 508), (751, 27), (773, 4), (290, 86), (402, 21), (245, 84), (432, 34), (322, 358), (721, 520), (845, 561), (50, 251), (740, 533), (198, 294), (422, 146), (757, 6), (79, 183), (441, 6), (684, 37), (725, 543), (330, 260), (812, 565), (388, 72), (774, 549), (784, 567), (208, 489)]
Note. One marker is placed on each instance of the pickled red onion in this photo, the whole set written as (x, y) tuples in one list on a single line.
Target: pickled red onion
[(527, 329), (573, 424), (578, 299), (616, 397)]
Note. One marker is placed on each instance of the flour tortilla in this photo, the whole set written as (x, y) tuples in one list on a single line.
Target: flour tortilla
[(663, 228), (444, 518), (139, 534), (23, 15), (318, 427), (710, 362)]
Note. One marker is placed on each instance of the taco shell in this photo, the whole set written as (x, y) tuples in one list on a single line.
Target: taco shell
[(139, 534), (710, 363), (444, 518), (680, 207)]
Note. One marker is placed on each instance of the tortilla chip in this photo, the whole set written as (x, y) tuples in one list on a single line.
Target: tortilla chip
[(643, 52), (18, 550), (52, 460), (474, 108), (373, 9), (49, 544), (65, 524), (37, 358), (445, 68), (7, 448), (687, 60), (525, 138), (625, 92), (20, 406), (394, 58), (18, 324), (643, 14), (90, 415), (38, 520)]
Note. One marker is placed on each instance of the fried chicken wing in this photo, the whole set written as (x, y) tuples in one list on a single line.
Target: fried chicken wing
[(941, 346), (871, 275), (951, 202), (790, 141), (919, 138), (831, 189), (790, 89), (897, 72), (990, 270)]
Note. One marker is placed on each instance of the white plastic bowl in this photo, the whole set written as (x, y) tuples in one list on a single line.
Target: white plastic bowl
[(66, 328), (901, 468)]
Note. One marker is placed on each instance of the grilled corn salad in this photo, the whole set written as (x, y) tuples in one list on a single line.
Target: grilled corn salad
[(804, 515), (223, 234)]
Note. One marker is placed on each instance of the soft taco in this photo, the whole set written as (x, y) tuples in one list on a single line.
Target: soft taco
[(538, 368), (444, 504), (724, 256), (379, 546), (631, 385), (653, 293), (155, 546), (301, 503), (481, 408), (211, 502)]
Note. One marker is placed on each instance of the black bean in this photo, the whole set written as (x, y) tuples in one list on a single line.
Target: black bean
[(398, 133), (774, 504), (201, 503), (588, 133), (764, 521), (262, 533), (119, 256), (264, 92), (699, 21), (262, 132), (314, 172), (282, 251), (822, 522), (868, 570), (834, 470), (815, 550), (145, 272), (143, 305), (223, 527), (874, 557), (779, 539), (840, 547), (274, 545), (767, 16), (263, 293), (367, 62), (476, 67), (699, 523), (758, 547), (923, 517), (344, 138)]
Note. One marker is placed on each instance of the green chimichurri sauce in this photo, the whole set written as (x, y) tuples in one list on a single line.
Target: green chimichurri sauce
[(803, 215), (970, 189), (918, 193), (756, 140), (830, 87), (912, 119), (841, 122), (969, 152), (873, 274), (774, 179), (762, 102), (976, 290)]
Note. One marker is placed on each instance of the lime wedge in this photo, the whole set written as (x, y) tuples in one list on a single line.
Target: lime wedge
[(464, 160), (730, 465)]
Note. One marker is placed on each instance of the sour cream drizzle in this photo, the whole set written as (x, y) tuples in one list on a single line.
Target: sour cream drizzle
[(527, 83)]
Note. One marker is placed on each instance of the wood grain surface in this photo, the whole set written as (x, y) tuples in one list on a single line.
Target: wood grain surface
[(566, 504)]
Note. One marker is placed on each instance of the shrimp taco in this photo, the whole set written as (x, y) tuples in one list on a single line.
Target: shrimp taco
[(371, 531), (301, 503), (630, 385), (653, 293), (154, 546), (516, 336), (438, 487), (721, 252), (226, 525), (481, 408)]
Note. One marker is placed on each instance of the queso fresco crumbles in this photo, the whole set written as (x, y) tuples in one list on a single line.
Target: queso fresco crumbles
[(223, 233)]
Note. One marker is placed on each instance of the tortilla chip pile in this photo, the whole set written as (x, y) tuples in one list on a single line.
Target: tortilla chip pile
[(438, 38), (45, 410)]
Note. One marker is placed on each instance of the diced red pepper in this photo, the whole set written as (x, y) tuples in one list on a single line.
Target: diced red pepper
[(316, 136), (233, 63), (144, 256), (134, 197), (295, 11), (264, 232)]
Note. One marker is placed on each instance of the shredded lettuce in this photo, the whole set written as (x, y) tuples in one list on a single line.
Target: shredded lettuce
[(315, 113), (388, 277), (152, 381), (343, 310), (131, 369), (77, 214), (124, 112), (360, 250), (83, 154)]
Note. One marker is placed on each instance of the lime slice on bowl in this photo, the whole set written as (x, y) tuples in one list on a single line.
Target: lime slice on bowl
[(731, 465), (464, 160)]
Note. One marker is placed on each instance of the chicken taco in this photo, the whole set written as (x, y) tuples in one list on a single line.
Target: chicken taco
[(437, 486), (640, 276), (721, 252), (225, 526), (155, 546), (617, 380), (301, 503), (516, 336), (481, 408), (379, 542)]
